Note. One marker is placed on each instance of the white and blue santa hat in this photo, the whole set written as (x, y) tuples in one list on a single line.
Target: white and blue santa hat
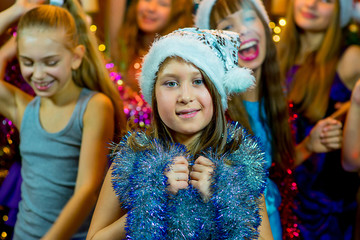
[(213, 51), (202, 17), (346, 11)]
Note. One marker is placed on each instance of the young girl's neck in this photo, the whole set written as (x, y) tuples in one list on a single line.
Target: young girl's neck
[(309, 42), (63, 97), (185, 139)]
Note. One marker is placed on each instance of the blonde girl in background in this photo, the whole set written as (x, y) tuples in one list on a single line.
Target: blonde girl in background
[(263, 108), (192, 175), (321, 71), (143, 21), (64, 130)]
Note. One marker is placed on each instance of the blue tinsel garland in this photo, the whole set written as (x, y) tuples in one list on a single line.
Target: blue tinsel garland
[(232, 213)]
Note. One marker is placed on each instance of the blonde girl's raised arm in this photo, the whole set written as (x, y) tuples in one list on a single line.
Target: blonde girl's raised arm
[(108, 221), (7, 53), (13, 13), (98, 130), (13, 102), (264, 229)]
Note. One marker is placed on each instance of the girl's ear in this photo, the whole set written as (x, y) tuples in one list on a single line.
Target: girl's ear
[(78, 55)]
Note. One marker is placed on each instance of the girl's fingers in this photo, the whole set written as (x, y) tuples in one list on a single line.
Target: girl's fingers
[(331, 134), (181, 177), (180, 160), (179, 168), (204, 161)]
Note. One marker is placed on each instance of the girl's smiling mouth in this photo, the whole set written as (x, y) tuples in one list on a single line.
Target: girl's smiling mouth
[(249, 50), (188, 113)]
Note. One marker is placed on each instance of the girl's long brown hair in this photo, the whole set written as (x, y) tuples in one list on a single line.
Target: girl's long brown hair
[(130, 36), (92, 73), (270, 89), (310, 88)]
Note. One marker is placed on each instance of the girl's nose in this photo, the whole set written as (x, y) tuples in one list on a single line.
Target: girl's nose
[(311, 3), (38, 72), (152, 5), (242, 29), (186, 94)]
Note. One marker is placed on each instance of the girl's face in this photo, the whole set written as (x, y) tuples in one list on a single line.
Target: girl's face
[(183, 101), (246, 22), (45, 63), (153, 15), (313, 15)]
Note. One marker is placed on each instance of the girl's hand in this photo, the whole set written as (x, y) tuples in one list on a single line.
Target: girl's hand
[(26, 5), (201, 175), (178, 175), (325, 136)]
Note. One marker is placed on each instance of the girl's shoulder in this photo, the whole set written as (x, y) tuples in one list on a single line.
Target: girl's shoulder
[(99, 103), (98, 111), (349, 66)]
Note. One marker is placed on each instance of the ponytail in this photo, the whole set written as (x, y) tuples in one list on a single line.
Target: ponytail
[(92, 72)]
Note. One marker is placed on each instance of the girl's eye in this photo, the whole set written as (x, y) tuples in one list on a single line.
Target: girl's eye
[(227, 27), (27, 63), (198, 82), (249, 16), (51, 63), (165, 3), (171, 84)]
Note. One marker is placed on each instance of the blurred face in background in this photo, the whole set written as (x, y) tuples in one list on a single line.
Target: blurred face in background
[(153, 15), (313, 15), (246, 22)]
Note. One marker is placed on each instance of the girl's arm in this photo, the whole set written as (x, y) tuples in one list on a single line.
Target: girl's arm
[(349, 66), (351, 148), (13, 102), (108, 221), (98, 130), (13, 13), (7, 53), (325, 136), (264, 229)]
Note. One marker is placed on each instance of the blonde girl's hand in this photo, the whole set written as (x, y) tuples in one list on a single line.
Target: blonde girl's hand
[(325, 136), (178, 175), (26, 5), (201, 176)]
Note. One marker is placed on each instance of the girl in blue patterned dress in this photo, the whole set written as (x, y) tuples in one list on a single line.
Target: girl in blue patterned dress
[(192, 175)]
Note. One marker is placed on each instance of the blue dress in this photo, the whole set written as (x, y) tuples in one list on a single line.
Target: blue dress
[(272, 193), (326, 201)]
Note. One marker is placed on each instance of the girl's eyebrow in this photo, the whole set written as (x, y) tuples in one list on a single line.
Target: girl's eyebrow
[(194, 73), (44, 58)]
